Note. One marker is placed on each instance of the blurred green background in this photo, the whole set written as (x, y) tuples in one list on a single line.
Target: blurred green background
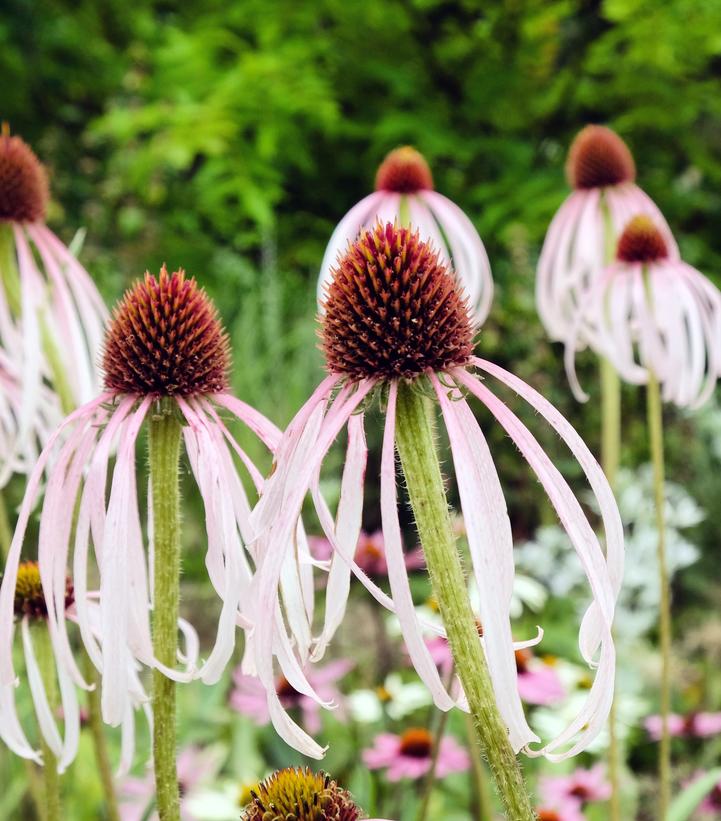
[(230, 138)]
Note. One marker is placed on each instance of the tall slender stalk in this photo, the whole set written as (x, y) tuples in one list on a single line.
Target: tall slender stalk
[(414, 438), (51, 779), (102, 759), (5, 531), (610, 459), (164, 453), (484, 804), (655, 429), (437, 740)]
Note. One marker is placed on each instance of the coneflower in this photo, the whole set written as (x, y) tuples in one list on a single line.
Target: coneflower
[(396, 325), (405, 193), (657, 322), (51, 687), (300, 794), (648, 312), (50, 310), (166, 362), (583, 234)]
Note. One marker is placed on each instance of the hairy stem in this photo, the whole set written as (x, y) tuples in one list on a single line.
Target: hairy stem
[(416, 447), (655, 430), (51, 778), (164, 452)]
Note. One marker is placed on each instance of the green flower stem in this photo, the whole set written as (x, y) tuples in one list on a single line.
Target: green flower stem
[(484, 804), (51, 779), (6, 534), (164, 452), (414, 438), (9, 275), (404, 212), (102, 759), (59, 373), (438, 738), (610, 459), (655, 430)]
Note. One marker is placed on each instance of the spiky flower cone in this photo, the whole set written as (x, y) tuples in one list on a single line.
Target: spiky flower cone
[(166, 339), (598, 158), (394, 310), (404, 171), (298, 794), (24, 190), (641, 241)]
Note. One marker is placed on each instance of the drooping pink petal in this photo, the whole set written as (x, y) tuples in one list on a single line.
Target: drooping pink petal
[(491, 546)]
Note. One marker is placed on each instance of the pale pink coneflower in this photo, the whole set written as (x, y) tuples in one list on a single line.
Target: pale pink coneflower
[(410, 755), (51, 312), (248, 694), (584, 785), (650, 311), (31, 617), (395, 317), (583, 232), (165, 353), (405, 194), (693, 725), (370, 554)]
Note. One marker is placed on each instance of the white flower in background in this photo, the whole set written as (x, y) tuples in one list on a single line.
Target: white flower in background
[(546, 556), (399, 698)]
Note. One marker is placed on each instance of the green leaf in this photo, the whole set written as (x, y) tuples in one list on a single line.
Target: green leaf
[(691, 797)]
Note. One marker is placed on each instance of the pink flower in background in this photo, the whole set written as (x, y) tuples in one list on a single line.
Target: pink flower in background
[(369, 555), (538, 683), (375, 345), (601, 171), (404, 194), (248, 695), (567, 809), (649, 311), (581, 785), (410, 755), (196, 768), (693, 725)]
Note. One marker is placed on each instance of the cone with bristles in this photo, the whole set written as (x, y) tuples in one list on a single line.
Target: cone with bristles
[(598, 158), (24, 190), (393, 309), (166, 339), (29, 597), (641, 241), (404, 171), (299, 794), (416, 742)]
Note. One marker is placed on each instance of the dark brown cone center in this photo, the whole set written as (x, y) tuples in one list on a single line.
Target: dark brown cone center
[(392, 309), (599, 158)]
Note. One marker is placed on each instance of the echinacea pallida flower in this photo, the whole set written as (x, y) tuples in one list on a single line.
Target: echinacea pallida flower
[(165, 344), (404, 193), (650, 311), (50, 310), (601, 172), (394, 316), (299, 793), (31, 614)]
